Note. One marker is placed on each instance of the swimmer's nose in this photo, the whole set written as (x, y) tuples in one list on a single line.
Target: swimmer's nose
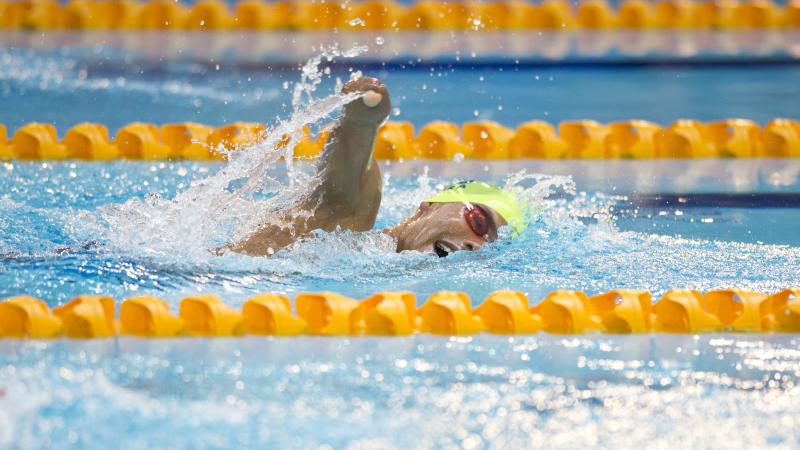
[(372, 99)]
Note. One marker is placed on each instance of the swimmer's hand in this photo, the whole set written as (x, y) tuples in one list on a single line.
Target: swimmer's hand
[(373, 106)]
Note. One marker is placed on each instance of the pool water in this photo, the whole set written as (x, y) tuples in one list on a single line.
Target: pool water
[(107, 88), (710, 391), (132, 228), (60, 240), (418, 392)]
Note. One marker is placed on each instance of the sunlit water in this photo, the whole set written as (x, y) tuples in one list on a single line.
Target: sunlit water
[(630, 392), (128, 228)]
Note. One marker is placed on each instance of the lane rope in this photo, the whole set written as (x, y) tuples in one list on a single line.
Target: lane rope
[(438, 140), (390, 15), (620, 311)]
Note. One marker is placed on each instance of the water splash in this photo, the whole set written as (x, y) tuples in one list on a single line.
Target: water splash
[(243, 196), (571, 242), (311, 75), (357, 22), (261, 182)]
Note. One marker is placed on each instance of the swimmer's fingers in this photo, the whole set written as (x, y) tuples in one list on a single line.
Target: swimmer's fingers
[(374, 104), (363, 84)]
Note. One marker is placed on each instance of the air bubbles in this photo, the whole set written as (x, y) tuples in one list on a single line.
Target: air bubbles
[(379, 40)]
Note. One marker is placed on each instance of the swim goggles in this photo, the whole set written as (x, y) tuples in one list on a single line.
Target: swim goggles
[(505, 203)]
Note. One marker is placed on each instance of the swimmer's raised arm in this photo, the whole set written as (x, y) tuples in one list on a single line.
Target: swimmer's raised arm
[(351, 179), (349, 192)]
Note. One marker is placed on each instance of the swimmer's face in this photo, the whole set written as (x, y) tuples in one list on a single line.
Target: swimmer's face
[(373, 107), (444, 228)]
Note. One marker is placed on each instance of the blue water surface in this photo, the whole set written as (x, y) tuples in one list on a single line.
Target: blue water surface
[(730, 391), (72, 228), (57, 242), (40, 85)]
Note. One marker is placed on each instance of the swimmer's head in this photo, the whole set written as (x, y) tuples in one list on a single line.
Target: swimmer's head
[(465, 216), (373, 107)]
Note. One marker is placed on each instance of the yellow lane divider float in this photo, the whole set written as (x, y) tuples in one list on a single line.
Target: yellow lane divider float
[(390, 15), (396, 313), (582, 139)]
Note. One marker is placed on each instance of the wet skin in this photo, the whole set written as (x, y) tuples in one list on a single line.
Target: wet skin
[(349, 193), (443, 228)]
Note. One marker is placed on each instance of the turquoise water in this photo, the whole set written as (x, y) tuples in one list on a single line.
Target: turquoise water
[(581, 239), (128, 228), (731, 391)]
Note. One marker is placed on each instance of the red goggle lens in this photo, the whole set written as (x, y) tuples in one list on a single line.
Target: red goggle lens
[(477, 221)]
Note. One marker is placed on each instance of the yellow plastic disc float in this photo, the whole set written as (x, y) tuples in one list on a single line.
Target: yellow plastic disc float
[(422, 15), (438, 140), (446, 313)]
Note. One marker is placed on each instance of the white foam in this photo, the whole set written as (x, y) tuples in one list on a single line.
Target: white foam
[(242, 197)]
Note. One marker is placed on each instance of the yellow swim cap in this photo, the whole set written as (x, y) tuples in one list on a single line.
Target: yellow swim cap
[(503, 202)]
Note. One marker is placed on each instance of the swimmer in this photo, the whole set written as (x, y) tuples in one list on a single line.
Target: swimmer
[(464, 216)]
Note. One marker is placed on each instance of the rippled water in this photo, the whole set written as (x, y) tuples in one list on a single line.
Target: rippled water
[(627, 392), (42, 84), (50, 212)]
